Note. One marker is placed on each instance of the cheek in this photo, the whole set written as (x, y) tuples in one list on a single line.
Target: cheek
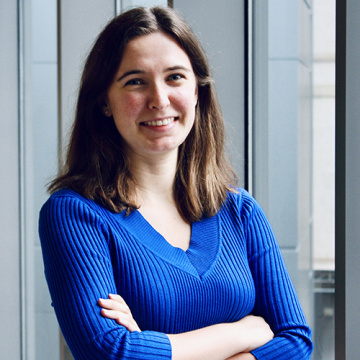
[(130, 106), (134, 103), (186, 101)]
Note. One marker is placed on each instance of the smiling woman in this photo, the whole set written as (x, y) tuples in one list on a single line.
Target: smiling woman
[(150, 250), (152, 98)]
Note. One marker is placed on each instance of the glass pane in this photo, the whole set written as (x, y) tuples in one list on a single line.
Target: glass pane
[(324, 176), (324, 133), (293, 147), (40, 144)]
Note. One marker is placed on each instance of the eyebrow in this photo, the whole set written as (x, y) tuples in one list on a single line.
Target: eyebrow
[(137, 71), (178, 67), (130, 72)]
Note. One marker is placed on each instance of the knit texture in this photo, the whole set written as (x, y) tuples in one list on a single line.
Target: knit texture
[(232, 268)]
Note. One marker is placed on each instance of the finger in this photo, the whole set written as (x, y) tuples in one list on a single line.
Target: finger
[(120, 317), (113, 305), (125, 320), (117, 298), (111, 314), (130, 325)]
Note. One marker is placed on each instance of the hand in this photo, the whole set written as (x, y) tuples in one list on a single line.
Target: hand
[(116, 308), (253, 332)]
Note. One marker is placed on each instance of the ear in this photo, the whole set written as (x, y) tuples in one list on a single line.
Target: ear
[(196, 95), (106, 110)]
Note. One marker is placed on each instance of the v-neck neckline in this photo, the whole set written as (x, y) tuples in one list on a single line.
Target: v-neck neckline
[(201, 254)]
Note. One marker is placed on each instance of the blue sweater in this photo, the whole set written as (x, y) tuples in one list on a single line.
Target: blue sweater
[(232, 268)]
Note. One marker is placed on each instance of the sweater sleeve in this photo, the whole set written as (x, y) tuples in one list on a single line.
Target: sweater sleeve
[(75, 245), (276, 299)]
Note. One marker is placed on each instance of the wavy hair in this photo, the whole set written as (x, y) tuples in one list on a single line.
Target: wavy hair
[(97, 165)]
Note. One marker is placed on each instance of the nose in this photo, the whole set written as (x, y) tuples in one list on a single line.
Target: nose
[(158, 97)]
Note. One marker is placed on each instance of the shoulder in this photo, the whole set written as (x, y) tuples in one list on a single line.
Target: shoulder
[(66, 209), (67, 201), (68, 217), (66, 195), (240, 201), (241, 207)]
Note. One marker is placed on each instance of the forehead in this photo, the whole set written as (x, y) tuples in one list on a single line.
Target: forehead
[(157, 48)]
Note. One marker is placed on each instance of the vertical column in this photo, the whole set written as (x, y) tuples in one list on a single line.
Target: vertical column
[(10, 304), (347, 315), (352, 175)]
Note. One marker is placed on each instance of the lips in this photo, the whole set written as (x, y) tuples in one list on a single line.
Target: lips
[(162, 122)]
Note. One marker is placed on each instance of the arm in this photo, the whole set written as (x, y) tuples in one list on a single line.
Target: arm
[(276, 299), (214, 342), (222, 341), (78, 268)]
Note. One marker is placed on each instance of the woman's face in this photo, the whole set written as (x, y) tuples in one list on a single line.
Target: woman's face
[(153, 96)]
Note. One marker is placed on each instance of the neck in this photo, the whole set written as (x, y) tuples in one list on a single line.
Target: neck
[(155, 177)]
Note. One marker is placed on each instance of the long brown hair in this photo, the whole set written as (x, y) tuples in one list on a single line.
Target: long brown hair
[(97, 165)]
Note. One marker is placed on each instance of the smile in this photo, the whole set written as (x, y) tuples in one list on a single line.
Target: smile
[(159, 122)]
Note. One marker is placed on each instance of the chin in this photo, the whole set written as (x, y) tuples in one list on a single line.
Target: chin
[(164, 147)]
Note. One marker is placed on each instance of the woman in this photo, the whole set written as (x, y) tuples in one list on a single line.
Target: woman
[(146, 207)]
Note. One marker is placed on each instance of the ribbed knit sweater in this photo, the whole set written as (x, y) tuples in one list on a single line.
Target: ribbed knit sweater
[(232, 268)]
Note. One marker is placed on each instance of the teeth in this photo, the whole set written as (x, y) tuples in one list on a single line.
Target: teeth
[(160, 122)]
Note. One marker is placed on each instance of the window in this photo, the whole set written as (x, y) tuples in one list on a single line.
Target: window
[(294, 147)]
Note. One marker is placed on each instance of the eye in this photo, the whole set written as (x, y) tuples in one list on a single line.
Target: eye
[(174, 77), (134, 82)]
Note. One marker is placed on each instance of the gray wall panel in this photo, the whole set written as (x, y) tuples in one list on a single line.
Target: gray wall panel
[(80, 23), (220, 28), (10, 308)]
